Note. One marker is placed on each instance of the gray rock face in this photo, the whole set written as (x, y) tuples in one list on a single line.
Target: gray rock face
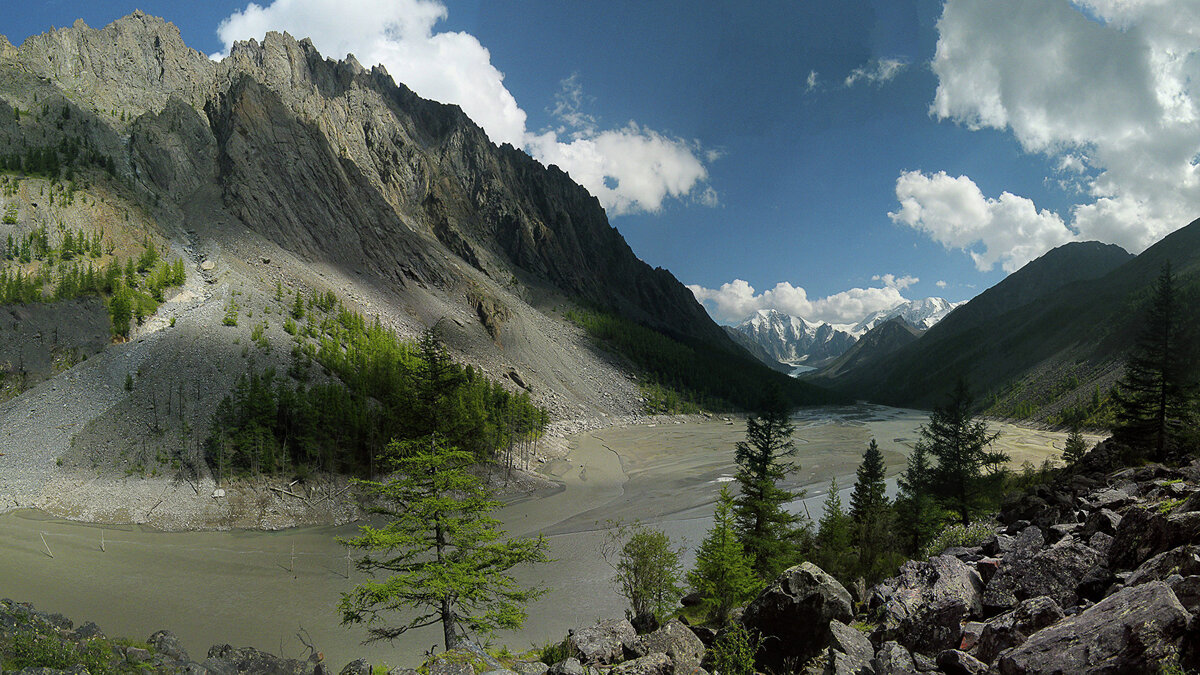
[(1184, 561), (1143, 533), (167, 643), (850, 652), (603, 643), (1055, 571), (893, 659), (568, 666), (1104, 520), (675, 640), (1013, 628), (653, 664), (957, 662), (530, 668), (923, 608), (1131, 631), (796, 609)]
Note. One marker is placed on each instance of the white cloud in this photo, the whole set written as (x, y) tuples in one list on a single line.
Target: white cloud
[(737, 299), (1108, 89), (876, 72), (941, 283), (811, 82), (891, 281), (1009, 230), (629, 168)]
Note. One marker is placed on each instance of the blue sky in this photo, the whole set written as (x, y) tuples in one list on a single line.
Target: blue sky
[(835, 157)]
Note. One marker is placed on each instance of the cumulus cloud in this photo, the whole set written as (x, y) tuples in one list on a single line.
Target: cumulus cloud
[(940, 283), (629, 168), (892, 281), (811, 82), (876, 72), (1009, 230), (1108, 89), (737, 299)]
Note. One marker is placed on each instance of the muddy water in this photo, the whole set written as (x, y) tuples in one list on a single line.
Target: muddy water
[(261, 588)]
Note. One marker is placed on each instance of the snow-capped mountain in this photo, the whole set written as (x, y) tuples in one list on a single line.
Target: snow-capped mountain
[(792, 339), (922, 314)]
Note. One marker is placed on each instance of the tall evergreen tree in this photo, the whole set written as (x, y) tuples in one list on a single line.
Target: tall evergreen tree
[(869, 494), (833, 537), (1155, 394), (442, 550), (1076, 447), (917, 512), (959, 442), (722, 576), (769, 534)]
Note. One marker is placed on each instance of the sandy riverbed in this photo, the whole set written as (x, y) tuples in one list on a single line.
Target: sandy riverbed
[(247, 587)]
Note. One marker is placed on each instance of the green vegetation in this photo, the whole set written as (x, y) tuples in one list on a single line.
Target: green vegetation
[(32, 650), (833, 553), (648, 573), (733, 651), (382, 389), (873, 519), (1156, 396), (771, 536), (441, 552), (722, 576), (959, 444), (957, 534), (1075, 448), (679, 375)]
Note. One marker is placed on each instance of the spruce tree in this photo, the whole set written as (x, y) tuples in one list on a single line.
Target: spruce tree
[(833, 536), (917, 512), (869, 489), (1154, 395), (1076, 447), (769, 534), (722, 576), (959, 443), (442, 551), (872, 517)]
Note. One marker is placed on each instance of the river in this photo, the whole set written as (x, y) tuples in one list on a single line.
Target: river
[(262, 588)]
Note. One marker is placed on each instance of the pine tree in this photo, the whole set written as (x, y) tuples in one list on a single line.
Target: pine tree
[(959, 442), (869, 489), (918, 514), (1154, 395), (722, 576), (1076, 447), (442, 551), (833, 536), (769, 534)]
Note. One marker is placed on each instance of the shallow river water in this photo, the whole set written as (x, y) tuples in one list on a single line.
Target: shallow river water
[(262, 588)]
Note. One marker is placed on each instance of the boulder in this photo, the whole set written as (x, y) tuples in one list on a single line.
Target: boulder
[(1103, 520), (167, 644), (1053, 571), (796, 610), (957, 662), (1187, 590), (1143, 534), (445, 668), (1101, 542), (1014, 627), (1132, 631), (998, 544), (357, 667), (603, 643), (1109, 498), (893, 659), (569, 666), (1184, 561), (226, 659), (850, 652), (970, 635), (675, 640), (923, 608), (652, 664), (530, 668)]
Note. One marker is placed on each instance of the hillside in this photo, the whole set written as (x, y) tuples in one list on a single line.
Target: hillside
[(877, 344), (276, 174), (1046, 343)]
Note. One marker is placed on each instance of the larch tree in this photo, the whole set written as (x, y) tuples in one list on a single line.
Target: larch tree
[(722, 577), (769, 534), (1154, 397), (442, 556), (960, 444)]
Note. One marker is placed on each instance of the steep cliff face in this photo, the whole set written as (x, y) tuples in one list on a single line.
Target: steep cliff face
[(340, 164)]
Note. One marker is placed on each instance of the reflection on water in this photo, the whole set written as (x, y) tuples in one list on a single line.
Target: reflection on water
[(261, 588)]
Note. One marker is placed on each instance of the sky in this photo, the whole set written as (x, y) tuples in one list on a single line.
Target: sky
[(827, 158)]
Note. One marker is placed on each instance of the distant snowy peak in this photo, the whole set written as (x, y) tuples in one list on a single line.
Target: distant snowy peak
[(791, 339), (921, 314)]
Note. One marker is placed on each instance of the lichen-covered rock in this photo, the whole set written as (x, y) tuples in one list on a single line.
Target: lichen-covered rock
[(1014, 627), (1055, 571), (850, 652), (958, 662), (652, 664), (568, 666), (893, 659), (923, 608), (167, 644), (1131, 631), (796, 610), (603, 643), (1184, 561), (1143, 534), (675, 640)]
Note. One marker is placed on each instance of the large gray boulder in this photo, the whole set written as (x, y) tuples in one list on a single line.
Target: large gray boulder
[(850, 652), (923, 608), (675, 640), (1184, 561), (652, 664), (603, 643), (958, 662), (1055, 571), (1132, 631), (793, 615), (1014, 627), (893, 659), (1143, 534)]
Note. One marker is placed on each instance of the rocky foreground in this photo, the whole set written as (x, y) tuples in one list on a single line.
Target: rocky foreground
[(1098, 572)]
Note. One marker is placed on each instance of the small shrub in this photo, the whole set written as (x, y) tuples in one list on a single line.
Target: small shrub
[(957, 535), (231, 314), (554, 652), (733, 652)]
